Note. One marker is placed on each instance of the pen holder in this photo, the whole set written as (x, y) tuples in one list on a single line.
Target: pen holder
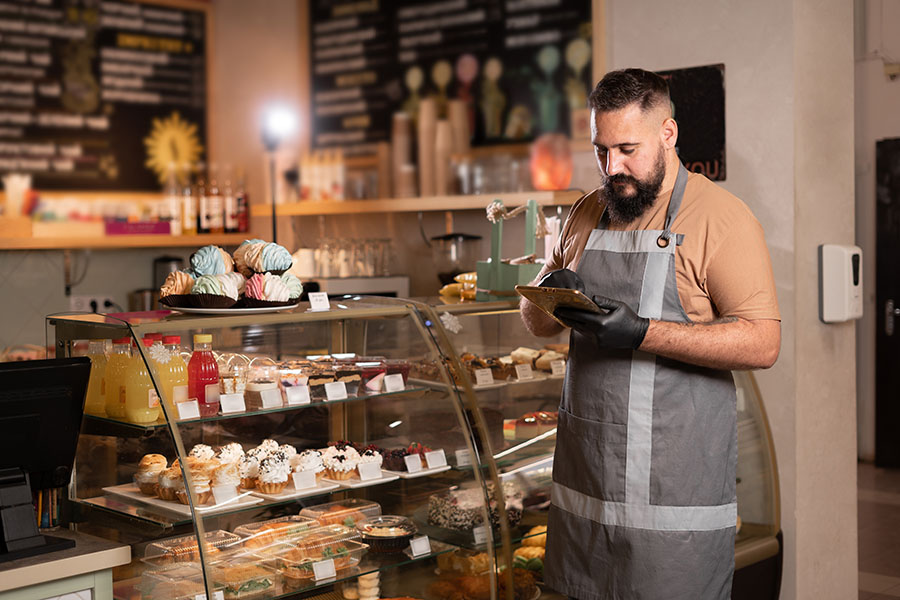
[(497, 280)]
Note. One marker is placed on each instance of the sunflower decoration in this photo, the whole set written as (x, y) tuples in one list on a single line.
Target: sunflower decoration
[(172, 140)]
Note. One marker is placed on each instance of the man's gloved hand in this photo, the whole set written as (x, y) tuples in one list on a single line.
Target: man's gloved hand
[(615, 327), (562, 278)]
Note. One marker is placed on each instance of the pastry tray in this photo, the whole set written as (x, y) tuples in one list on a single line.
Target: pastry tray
[(323, 486), (422, 473), (355, 482), (132, 492)]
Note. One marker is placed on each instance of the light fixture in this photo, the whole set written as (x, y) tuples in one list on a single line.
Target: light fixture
[(279, 123)]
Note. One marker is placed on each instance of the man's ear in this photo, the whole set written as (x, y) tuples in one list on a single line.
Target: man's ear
[(669, 133)]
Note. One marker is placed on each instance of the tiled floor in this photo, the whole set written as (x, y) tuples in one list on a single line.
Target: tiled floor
[(879, 532)]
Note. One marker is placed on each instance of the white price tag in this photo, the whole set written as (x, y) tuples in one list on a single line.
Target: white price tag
[(217, 595), (336, 390), (393, 383), (212, 393), (179, 394), (232, 403), (188, 410), (483, 377), (435, 459), (304, 480), (324, 569), (463, 458), (481, 534), (369, 471), (524, 372), (224, 493), (318, 301), (413, 463), (297, 394), (420, 546), (558, 367), (271, 398)]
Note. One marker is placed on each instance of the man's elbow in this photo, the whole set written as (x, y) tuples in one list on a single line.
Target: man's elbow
[(772, 348)]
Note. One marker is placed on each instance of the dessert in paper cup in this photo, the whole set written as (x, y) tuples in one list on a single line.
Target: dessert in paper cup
[(176, 290), (268, 289), (211, 260), (257, 256), (216, 291)]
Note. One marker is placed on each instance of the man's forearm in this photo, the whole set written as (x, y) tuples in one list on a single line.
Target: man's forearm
[(725, 344)]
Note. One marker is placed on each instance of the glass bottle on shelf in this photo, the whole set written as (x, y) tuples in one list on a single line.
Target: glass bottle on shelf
[(229, 202), (95, 400), (203, 376), (141, 399), (214, 202), (172, 200), (115, 378), (202, 198), (188, 203), (242, 204), (171, 372)]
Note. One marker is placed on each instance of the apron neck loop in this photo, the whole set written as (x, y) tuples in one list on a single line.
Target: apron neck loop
[(674, 205)]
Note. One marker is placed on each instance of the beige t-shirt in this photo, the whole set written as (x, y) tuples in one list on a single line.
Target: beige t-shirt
[(722, 268)]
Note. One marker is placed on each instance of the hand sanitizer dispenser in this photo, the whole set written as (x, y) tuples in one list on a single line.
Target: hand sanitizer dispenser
[(840, 283)]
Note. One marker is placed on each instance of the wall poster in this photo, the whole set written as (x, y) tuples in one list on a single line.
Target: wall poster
[(521, 66), (101, 95)]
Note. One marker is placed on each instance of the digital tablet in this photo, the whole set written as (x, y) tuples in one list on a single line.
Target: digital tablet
[(549, 298)]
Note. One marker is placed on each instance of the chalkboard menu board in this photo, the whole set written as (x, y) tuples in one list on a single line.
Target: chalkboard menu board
[(698, 94), (101, 95), (520, 66)]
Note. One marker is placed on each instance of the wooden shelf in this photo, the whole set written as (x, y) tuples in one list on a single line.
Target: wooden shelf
[(121, 241), (436, 203)]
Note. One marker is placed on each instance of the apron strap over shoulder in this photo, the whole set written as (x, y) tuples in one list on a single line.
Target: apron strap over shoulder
[(674, 206)]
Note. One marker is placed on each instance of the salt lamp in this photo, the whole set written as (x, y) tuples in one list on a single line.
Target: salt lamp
[(551, 162)]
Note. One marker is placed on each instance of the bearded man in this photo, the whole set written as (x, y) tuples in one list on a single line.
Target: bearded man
[(643, 497)]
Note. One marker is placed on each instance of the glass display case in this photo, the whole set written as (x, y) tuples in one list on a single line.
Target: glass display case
[(274, 462)]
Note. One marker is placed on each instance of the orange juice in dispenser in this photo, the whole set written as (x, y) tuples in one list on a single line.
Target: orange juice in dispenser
[(115, 377), (141, 399), (95, 400)]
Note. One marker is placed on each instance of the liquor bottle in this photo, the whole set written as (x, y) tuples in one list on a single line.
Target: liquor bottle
[(214, 202), (202, 199), (229, 202), (242, 203), (188, 203), (171, 203)]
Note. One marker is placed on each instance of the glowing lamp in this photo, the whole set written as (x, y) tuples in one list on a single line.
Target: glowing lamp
[(551, 162), (278, 124)]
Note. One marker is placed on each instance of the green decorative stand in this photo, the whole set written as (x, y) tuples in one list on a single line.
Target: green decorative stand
[(497, 280)]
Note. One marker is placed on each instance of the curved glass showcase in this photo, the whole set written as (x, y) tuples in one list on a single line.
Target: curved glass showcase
[(458, 400)]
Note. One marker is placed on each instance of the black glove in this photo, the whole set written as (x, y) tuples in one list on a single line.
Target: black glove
[(615, 327), (562, 278)]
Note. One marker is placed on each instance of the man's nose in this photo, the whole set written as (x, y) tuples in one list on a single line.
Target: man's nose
[(613, 163)]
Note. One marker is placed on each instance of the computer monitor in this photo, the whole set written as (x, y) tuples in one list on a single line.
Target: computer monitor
[(41, 406)]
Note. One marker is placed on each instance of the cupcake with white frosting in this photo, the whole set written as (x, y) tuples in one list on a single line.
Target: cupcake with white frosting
[(310, 460), (340, 462), (230, 453), (249, 470), (274, 471), (203, 452)]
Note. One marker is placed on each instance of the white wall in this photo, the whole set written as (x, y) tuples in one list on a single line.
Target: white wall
[(780, 58)]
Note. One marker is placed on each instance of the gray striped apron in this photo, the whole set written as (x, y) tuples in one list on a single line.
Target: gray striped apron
[(643, 497)]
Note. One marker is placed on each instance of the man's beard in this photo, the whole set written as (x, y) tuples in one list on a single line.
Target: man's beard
[(625, 209)]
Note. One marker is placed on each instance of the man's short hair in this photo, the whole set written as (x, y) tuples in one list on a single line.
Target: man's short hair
[(619, 89)]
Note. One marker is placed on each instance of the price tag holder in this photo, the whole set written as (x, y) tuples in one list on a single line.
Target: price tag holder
[(463, 458), (481, 534), (420, 546), (212, 393), (217, 595), (297, 395), (336, 390), (394, 383), (188, 410), (304, 480), (271, 398), (558, 367), (483, 377), (232, 403), (369, 471), (318, 301), (435, 459), (413, 463), (224, 493), (524, 372), (324, 569)]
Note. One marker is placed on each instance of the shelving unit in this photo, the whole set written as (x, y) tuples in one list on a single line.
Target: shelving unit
[(118, 242), (430, 204)]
